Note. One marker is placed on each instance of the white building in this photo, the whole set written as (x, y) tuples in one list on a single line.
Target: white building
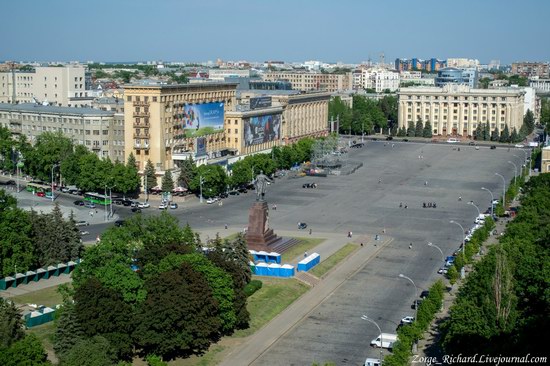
[(540, 85), (415, 78), (378, 79), (461, 63), (62, 86), (220, 74)]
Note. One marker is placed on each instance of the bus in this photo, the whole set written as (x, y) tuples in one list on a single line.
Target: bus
[(39, 187), (98, 199)]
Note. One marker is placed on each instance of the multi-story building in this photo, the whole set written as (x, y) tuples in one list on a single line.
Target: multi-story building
[(312, 80), (458, 109), (100, 131), (62, 86), (530, 69), (378, 79), (220, 74), (540, 85), (451, 75), (415, 78), (432, 64), (462, 63)]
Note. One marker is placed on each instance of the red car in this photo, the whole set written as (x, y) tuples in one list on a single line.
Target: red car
[(41, 194)]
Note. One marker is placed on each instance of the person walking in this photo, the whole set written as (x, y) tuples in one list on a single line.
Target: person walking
[(309, 231), (410, 245)]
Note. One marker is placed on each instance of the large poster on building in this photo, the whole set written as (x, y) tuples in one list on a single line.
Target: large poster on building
[(202, 119), (200, 146), (262, 129)]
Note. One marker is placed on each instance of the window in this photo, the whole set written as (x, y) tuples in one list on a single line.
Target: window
[(229, 130), (154, 99), (236, 139), (129, 98), (105, 132)]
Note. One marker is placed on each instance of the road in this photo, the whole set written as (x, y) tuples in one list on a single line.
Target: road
[(334, 331)]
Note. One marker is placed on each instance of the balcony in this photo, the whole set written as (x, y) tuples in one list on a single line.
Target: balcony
[(141, 135), (96, 147), (140, 103), (141, 146), (141, 114), (141, 125)]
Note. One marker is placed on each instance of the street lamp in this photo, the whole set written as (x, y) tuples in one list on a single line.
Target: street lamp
[(463, 247), (527, 166), (53, 167), (515, 170), (401, 275), (201, 182), (430, 244), (503, 190), (492, 200), (471, 203), (364, 317)]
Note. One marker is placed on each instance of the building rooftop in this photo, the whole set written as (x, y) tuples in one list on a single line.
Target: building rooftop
[(39, 108)]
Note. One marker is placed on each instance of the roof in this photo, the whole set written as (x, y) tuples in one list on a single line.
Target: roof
[(38, 108)]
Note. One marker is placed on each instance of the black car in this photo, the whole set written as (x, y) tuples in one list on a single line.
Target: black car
[(118, 201), (416, 304), (136, 209), (493, 147), (10, 183), (424, 294), (126, 202), (302, 225), (389, 138), (119, 223), (223, 195), (79, 203), (405, 140), (234, 192), (471, 143), (374, 139)]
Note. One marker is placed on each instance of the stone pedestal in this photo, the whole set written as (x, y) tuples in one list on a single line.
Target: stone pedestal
[(259, 236)]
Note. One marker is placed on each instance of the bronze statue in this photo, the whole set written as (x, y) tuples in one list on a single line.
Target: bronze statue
[(261, 184)]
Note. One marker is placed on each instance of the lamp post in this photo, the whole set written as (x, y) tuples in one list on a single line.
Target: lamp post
[(53, 167), (201, 182), (471, 203), (364, 317), (515, 170), (401, 275), (503, 190), (527, 166), (430, 244), (462, 272), (492, 199)]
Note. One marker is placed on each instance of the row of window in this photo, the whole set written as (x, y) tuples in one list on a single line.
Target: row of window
[(455, 111), (436, 97), (45, 118), (455, 118)]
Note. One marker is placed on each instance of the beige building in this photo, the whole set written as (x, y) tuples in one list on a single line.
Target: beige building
[(545, 160), (100, 131), (312, 80), (531, 69), (62, 86), (457, 109), (154, 118)]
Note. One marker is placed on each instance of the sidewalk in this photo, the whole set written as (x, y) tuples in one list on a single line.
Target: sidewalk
[(257, 344)]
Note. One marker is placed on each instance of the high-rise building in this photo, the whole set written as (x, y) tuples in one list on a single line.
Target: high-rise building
[(433, 64), (312, 80), (378, 79), (451, 75), (530, 69)]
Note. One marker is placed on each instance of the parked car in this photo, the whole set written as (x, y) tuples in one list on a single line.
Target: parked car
[(302, 225), (416, 304), (389, 138), (472, 143), (234, 192), (407, 320), (309, 185), (173, 205), (424, 294), (119, 223), (143, 205), (84, 232), (118, 201), (211, 200), (493, 147), (79, 203), (405, 140), (519, 146), (127, 202), (136, 209), (10, 183), (65, 190), (82, 223), (134, 203), (495, 202), (442, 270), (90, 205), (163, 206), (41, 194)]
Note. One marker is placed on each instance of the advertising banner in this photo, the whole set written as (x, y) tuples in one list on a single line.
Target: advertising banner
[(202, 119), (260, 102), (262, 129), (201, 146)]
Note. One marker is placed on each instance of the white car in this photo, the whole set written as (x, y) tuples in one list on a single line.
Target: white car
[(143, 205), (496, 202), (163, 206), (407, 320), (519, 145), (452, 141), (211, 200)]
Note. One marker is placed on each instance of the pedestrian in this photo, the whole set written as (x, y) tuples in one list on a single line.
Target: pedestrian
[(309, 231), (383, 230), (426, 183), (225, 226), (361, 245), (406, 206), (379, 180), (305, 254), (410, 245), (350, 234), (392, 145)]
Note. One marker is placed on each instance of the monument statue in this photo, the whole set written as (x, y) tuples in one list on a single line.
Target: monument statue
[(261, 184)]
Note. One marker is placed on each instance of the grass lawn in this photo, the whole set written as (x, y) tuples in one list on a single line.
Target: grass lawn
[(305, 245), (45, 333), (326, 265), (48, 297), (275, 295)]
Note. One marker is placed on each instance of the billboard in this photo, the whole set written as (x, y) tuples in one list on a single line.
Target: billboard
[(200, 146), (202, 119), (262, 129), (260, 102)]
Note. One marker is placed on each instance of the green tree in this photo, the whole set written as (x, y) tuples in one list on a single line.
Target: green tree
[(505, 135), (529, 121), (411, 131), (241, 173), (419, 130), (427, 132), (167, 182), (214, 180), (68, 331), (70, 167), (50, 149), (150, 177), (389, 107), (494, 135), (478, 133), (545, 112), (188, 170), (16, 246), (90, 176), (337, 109), (26, 351), (486, 132), (402, 132), (11, 324), (94, 351), (178, 317), (514, 136)]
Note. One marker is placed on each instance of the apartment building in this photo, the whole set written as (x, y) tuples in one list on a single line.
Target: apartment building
[(457, 109), (531, 69), (64, 86), (312, 80), (378, 79), (100, 131), (432, 64), (540, 85)]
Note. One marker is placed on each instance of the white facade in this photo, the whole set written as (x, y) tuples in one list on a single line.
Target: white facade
[(461, 63), (62, 86), (376, 78), (540, 85), (221, 74)]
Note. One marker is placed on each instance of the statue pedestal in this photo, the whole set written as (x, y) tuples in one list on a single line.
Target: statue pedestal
[(259, 236)]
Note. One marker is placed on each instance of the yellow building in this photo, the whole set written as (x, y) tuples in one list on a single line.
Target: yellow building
[(457, 109), (545, 160)]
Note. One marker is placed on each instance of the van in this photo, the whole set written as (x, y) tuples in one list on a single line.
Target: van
[(372, 362), (452, 141), (384, 340)]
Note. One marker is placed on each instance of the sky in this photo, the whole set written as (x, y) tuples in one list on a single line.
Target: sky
[(348, 31)]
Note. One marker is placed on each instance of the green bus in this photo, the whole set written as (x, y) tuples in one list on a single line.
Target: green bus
[(39, 187), (98, 199)]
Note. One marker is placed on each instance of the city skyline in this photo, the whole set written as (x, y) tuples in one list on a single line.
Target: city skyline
[(349, 32)]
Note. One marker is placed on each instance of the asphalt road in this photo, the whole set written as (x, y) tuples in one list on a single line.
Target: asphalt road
[(334, 331)]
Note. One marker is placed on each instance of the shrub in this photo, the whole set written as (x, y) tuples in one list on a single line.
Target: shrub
[(252, 287)]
